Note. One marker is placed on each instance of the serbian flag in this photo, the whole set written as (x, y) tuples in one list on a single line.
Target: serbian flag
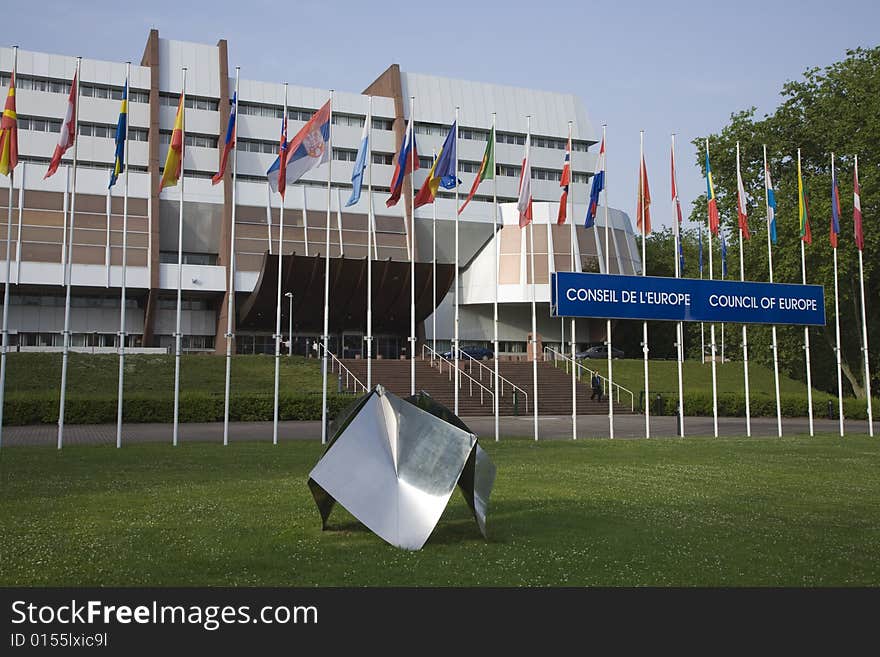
[(308, 149), (771, 204), (230, 141), (835, 210), (524, 202), (598, 186), (442, 171), (9, 132), (281, 179), (564, 182), (121, 133), (675, 200), (857, 210), (643, 209), (174, 159), (68, 131), (803, 208), (407, 162), (741, 211), (714, 219), (487, 169)]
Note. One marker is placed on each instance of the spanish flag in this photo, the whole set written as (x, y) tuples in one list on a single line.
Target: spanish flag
[(9, 133), (174, 159)]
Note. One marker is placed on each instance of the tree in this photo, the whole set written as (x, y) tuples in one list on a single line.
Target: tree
[(835, 109)]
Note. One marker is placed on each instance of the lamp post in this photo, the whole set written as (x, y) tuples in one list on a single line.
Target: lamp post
[(289, 296)]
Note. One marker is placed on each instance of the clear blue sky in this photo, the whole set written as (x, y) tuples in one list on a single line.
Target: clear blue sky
[(675, 66)]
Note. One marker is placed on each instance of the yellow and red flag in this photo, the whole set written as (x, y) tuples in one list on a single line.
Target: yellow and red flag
[(9, 132), (643, 209), (174, 159)]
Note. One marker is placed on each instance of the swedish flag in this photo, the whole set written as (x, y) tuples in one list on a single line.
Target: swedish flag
[(121, 134)]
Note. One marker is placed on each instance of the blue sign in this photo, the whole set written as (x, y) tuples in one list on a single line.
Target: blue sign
[(685, 299)]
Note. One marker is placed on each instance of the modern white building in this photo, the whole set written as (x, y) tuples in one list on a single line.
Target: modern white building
[(41, 220)]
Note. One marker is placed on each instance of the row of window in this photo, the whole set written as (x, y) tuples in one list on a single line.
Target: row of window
[(86, 89), (300, 114), (104, 166), (170, 303), (76, 340), (170, 258), (191, 139), (51, 301), (39, 124), (188, 342), (190, 102), (517, 139), (511, 171)]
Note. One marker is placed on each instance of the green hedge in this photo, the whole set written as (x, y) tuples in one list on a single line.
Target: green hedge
[(193, 408), (734, 405)]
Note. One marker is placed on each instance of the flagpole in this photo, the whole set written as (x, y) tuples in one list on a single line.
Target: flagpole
[(608, 321), (66, 335), (177, 332), (230, 305), (369, 247), (122, 290), (644, 209), (434, 268), (21, 185), (277, 335), (572, 240), (534, 340), (5, 346), (108, 200), (712, 345), (835, 200), (412, 258), (679, 331), (269, 214), (496, 249), (806, 328), (455, 354), (65, 209), (326, 336), (770, 263), (864, 321), (742, 277)]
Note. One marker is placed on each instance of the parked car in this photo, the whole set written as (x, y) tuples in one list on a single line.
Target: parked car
[(477, 353), (599, 351)]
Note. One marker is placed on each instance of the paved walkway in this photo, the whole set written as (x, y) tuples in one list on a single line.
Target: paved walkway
[(549, 427)]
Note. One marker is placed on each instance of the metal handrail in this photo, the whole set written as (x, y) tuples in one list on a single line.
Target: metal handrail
[(471, 380), (349, 375), (482, 366), (568, 359)]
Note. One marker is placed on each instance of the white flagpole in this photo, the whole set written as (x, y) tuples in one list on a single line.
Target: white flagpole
[(864, 328), (370, 246), (434, 267), (122, 290), (230, 305), (277, 335), (837, 317), (497, 247), (5, 346), (269, 215), (177, 332), (712, 345), (608, 321), (742, 277), (679, 329), (326, 336), (339, 222), (455, 354), (644, 273), (69, 268), (534, 340), (806, 328), (305, 218), (412, 256), (108, 209), (774, 346), (65, 208), (21, 184), (574, 268)]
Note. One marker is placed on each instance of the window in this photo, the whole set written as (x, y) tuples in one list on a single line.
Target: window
[(383, 124), (170, 258), (383, 158), (201, 141), (190, 102)]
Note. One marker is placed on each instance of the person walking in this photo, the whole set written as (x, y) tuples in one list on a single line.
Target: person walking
[(597, 387)]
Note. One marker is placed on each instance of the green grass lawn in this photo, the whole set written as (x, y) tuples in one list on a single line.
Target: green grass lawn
[(696, 511)]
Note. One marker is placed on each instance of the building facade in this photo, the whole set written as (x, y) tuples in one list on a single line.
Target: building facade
[(42, 232)]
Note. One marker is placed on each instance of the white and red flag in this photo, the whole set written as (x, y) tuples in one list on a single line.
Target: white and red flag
[(741, 211), (68, 131)]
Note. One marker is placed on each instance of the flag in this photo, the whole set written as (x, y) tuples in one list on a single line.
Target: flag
[(119, 158), (564, 182), (857, 211), (676, 202), (771, 204), (803, 208), (643, 208), (680, 258), (524, 201), (229, 144), (700, 238), (487, 169), (9, 132), (741, 210), (598, 186), (835, 209), (714, 219), (281, 178), (68, 131), (407, 162), (442, 173), (357, 173), (174, 159), (309, 148), (723, 257)]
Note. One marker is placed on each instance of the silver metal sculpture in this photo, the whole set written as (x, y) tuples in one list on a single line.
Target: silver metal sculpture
[(393, 464)]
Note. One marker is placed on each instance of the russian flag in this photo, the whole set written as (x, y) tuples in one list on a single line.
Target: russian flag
[(598, 186), (407, 162), (229, 144), (309, 148)]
